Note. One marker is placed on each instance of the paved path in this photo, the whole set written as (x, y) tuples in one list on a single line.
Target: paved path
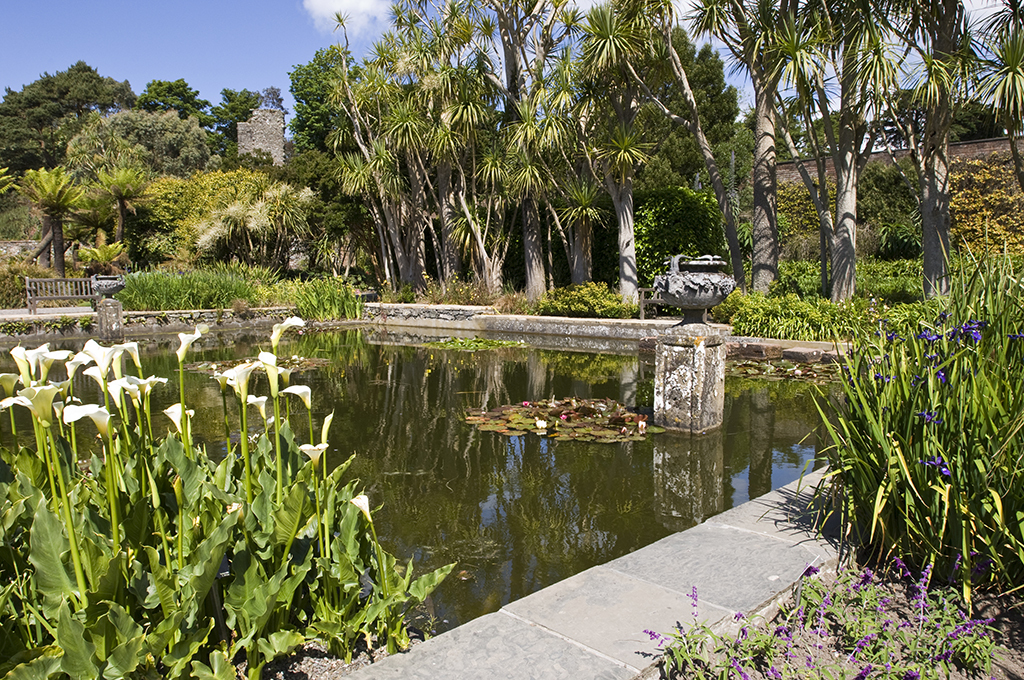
[(591, 625)]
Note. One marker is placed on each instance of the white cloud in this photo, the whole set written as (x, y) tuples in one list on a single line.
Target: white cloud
[(361, 15)]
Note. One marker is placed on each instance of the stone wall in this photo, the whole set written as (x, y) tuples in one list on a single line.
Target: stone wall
[(977, 149), (10, 250), (379, 311), (264, 131)]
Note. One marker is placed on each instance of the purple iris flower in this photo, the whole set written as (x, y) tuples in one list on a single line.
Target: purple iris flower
[(930, 417), (937, 461)]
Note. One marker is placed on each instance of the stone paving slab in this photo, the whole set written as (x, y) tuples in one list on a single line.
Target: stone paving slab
[(608, 611), (591, 625), (497, 646), (731, 568)]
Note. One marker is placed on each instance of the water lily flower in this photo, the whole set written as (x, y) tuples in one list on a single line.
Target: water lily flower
[(362, 502), (327, 426), (641, 427), (542, 424), (302, 392), (314, 451), (8, 381), (99, 416), (269, 362), (174, 412), (40, 402), (280, 328), (260, 403), (188, 338)]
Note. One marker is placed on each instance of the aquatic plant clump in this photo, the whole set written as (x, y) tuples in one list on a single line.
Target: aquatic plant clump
[(604, 421), (153, 559)]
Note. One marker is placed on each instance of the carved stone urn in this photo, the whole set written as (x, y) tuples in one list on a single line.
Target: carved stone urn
[(106, 286), (694, 286)]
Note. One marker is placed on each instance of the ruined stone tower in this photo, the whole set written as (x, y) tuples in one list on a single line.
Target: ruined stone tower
[(264, 132)]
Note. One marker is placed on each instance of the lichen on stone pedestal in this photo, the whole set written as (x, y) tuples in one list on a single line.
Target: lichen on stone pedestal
[(689, 379)]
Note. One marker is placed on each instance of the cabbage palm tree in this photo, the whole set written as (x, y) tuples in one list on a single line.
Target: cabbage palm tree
[(748, 30), (834, 57), (53, 192), (1003, 84), (938, 36)]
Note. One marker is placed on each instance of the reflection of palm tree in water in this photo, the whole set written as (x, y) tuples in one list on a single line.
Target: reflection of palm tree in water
[(762, 440)]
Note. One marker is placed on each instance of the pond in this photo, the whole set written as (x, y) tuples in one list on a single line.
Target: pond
[(516, 513)]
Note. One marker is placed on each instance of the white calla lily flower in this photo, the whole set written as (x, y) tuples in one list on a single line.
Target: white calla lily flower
[(280, 328), (99, 415), (314, 451), (260, 403), (174, 412), (238, 377), (269, 362), (76, 362), (362, 501), (103, 356), (327, 426), (46, 359), (8, 381), (41, 400), (20, 355), (188, 338), (302, 392), (132, 349)]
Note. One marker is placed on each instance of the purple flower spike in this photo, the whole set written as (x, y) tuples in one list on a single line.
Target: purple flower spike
[(738, 616), (811, 570), (938, 462), (930, 417)]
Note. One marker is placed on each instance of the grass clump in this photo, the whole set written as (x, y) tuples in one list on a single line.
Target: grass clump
[(12, 283), (327, 300), (214, 287)]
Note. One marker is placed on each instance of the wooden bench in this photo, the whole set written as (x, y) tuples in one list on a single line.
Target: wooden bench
[(38, 290), (652, 300)]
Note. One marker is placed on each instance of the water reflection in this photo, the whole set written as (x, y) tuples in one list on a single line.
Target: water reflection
[(516, 513)]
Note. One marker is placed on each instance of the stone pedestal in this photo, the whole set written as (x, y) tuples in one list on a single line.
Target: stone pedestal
[(110, 320), (689, 379)]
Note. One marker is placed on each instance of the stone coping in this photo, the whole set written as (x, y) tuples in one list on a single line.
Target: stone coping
[(592, 625)]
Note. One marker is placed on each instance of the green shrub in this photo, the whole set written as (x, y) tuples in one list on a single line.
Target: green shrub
[(593, 300), (986, 205), (12, 283), (928, 461), (791, 318), (456, 293), (886, 281), (327, 300), (675, 221)]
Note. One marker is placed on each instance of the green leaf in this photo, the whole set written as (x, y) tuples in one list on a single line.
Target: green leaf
[(163, 582), (424, 585), (125, 658), (36, 664), (219, 669), (48, 544), (279, 644), (79, 654), (290, 517)]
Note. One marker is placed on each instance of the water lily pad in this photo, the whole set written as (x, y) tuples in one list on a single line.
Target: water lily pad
[(603, 420)]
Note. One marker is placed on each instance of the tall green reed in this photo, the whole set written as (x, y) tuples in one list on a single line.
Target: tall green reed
[(928, 461)]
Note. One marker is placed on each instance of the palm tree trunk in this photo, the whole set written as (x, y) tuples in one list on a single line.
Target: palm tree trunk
[(622, 198), (46, 237), (532, 250), (765, 230), (57, 229), (121, 217)]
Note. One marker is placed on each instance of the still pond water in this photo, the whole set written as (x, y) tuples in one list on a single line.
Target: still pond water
[(516, 513)]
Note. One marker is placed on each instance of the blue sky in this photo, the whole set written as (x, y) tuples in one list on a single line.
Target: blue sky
[(213, 45)]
